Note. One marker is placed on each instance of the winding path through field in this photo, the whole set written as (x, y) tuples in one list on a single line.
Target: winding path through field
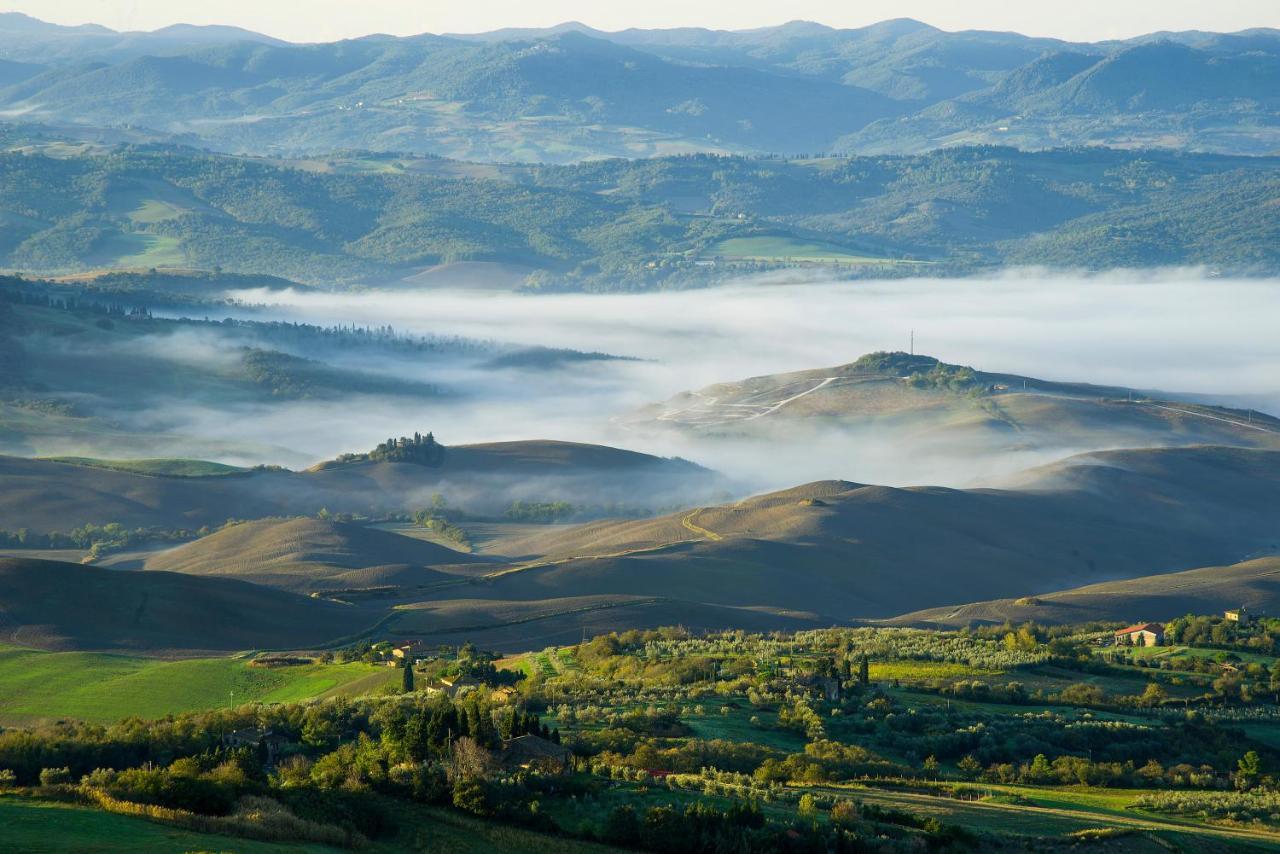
[(689, 524)]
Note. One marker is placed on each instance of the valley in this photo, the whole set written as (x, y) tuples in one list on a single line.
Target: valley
[(636, 434)]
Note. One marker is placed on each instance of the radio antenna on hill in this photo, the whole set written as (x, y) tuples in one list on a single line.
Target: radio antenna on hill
[(913, 342)]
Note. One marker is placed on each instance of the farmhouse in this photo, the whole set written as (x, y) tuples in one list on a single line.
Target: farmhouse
[(1239, 616), (1143, 634), (456, 686), (532, 751)]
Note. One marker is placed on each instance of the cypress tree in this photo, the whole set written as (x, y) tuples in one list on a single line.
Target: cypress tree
[(407, 684)]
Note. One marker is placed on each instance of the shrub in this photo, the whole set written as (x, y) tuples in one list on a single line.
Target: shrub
[(55, 776)]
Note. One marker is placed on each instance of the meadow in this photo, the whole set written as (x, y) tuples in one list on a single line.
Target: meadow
[(37, 685)]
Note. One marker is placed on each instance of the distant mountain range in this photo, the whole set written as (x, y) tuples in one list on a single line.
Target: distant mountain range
[(569, 93)]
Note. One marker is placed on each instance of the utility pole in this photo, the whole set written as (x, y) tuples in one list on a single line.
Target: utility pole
[(913, 342)]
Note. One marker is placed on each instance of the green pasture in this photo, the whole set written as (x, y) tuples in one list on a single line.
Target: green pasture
[(37, 685)]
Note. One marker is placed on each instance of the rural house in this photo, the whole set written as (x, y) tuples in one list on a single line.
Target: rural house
[(535, 752), (1143, 634), (456, 686), (1240, 616)]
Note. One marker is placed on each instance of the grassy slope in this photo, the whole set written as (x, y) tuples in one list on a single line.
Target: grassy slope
[(311, 554), (28, 826), (157, 467), (848, 550), (1254, 584), (64, 606), (97, 687)]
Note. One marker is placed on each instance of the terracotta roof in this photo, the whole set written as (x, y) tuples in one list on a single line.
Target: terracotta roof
[(1142, 627)]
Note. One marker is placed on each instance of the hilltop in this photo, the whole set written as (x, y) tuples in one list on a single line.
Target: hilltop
[(922, 399), (54, 605)]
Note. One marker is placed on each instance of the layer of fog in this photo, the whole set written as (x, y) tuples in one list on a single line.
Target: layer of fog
[(1178, 331)]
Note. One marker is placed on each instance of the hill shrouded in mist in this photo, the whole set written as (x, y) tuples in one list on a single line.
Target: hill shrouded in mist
[(923, 401)]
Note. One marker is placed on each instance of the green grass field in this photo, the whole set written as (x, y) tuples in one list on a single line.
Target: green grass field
[(783, 248), (28, 825), (140, 250), (156, 467), (36, 685), (917, 671)]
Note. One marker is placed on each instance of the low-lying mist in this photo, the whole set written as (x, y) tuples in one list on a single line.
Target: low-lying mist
[(1178, 331)]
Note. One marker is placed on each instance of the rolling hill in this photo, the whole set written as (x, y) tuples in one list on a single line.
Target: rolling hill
[(1255, 584), (844, 550), (924, 401), (824, 553), (53, 605), (44, 495), (363, 218), (308, 555)]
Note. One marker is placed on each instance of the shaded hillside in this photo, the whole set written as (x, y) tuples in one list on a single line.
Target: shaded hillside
[(43, 495), (53, 605), (1254, 584), (306, 555), (845, 550), (518, 625), (921, 399)]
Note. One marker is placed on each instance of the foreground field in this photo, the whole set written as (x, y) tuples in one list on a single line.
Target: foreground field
[(37, 685), (28, 825), (31, 825), (810, 742)]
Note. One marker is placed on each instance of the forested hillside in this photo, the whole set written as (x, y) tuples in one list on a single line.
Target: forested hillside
[(632, 225), (571, 93)]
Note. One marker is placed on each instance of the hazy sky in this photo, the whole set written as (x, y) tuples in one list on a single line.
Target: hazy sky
[(324, 20)]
